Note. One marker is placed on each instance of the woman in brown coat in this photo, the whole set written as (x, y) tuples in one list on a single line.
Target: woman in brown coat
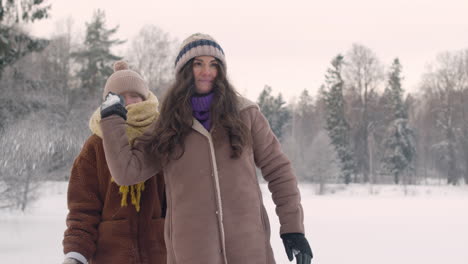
[(108, 223), (208, 142)]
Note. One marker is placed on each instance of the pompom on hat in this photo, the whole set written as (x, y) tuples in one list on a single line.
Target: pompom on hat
[(196, 45), (125, 80)]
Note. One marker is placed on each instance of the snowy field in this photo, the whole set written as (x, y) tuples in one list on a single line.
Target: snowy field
[(419, 225)]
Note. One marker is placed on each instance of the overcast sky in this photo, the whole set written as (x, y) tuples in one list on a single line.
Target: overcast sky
[(289, 44)]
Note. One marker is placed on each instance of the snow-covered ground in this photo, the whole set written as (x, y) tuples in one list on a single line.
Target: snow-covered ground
[(419, 225)]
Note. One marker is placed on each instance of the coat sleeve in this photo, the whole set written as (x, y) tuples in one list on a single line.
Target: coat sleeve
[(277, 171), (128, 165), (84, 205)]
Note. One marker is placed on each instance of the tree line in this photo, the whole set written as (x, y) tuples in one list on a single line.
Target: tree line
[(360, 127), (50, 87)]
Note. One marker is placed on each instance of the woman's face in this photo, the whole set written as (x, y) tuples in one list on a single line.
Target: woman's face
[(131, 98), (205, 71)]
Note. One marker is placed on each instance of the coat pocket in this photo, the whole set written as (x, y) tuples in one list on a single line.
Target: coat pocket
[(270, 259), (115, 243)]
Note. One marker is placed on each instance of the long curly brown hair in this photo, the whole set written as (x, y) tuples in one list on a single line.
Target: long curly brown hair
[(175, 119)]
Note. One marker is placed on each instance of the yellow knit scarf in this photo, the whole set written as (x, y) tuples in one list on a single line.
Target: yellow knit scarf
[(139, 118)]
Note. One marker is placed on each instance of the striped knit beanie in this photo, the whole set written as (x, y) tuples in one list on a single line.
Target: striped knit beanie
[(125, 80), (196, 45)]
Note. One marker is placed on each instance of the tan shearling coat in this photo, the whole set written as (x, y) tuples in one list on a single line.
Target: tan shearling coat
[(215, 212)]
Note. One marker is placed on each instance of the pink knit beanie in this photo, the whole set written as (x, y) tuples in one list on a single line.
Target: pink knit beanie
[(125, 80)]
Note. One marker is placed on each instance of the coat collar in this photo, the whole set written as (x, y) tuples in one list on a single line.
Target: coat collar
[(244, 103), (197, 126)]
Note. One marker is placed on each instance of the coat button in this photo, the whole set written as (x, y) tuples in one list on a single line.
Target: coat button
[(216, 212)]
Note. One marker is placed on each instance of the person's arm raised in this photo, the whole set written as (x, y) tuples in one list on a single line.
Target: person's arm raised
[(128, 164)]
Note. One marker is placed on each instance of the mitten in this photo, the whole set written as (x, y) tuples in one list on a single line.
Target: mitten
[(114, 104), (296, 244)]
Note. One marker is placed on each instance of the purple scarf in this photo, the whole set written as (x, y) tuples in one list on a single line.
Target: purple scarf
[(201, 104)]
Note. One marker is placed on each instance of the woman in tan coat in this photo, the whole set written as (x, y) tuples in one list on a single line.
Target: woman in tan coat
[(208, 142), (108, 223)]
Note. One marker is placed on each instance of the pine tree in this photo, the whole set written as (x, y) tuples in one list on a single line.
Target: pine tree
[(399, 143), (274, 110), (14, 42), (336, 124), (396, 91), (305, 105), (95, 57)]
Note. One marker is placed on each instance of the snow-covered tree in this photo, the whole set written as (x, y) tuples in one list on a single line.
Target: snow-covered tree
[(336, 124), (399, 149), (399, 141), (396, 90), (274, 110), (446, 84), (95, 56), (15, 43)]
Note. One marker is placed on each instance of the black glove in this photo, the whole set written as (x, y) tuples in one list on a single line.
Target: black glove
[(296, 243), (114, 104)]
